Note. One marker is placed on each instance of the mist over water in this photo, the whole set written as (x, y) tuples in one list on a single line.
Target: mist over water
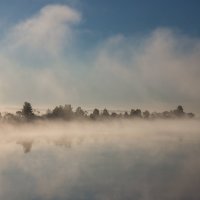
[(144, 160)]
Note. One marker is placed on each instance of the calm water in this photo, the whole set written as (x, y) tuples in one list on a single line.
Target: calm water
[(101, 161)]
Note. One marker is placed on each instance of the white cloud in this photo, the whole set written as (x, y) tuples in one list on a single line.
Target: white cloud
[(31, 60), (37, 64), (46, 32), (161, 69)]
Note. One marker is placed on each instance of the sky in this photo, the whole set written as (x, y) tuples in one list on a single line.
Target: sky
[(115, 54)]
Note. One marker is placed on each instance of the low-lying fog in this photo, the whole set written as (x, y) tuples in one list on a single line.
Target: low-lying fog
[(147, 160)]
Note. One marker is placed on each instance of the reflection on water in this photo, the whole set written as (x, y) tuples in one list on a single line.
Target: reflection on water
[(147, 161), (27, 145)]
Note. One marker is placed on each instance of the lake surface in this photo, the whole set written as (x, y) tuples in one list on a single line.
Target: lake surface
[(140, 160)]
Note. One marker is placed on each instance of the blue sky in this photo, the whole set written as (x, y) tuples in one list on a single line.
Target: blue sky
[(116, 16), (115, 54)]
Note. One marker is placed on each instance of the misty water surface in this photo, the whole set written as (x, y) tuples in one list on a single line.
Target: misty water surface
[(145, 160)]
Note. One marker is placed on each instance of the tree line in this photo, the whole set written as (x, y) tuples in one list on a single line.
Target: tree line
[(27, 114)]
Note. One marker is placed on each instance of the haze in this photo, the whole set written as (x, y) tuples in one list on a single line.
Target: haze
[(110, 160), (48, 58), (99, 100)]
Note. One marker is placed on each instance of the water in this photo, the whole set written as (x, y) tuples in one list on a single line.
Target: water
[(101, 161)]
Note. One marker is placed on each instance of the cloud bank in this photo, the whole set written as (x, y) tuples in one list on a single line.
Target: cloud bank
[(31, 55), (162, 68), (39, 63), (46, 32)]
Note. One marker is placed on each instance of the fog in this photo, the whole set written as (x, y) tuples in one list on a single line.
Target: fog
[(43, 60), (144, 160)]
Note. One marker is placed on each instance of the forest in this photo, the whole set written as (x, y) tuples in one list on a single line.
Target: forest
[(67, 113)]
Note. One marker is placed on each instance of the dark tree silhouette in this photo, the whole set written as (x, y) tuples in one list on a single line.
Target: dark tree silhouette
[(9, 117), (27, 111), (58, 112), (61, 112), (95, 114), (126, 115), (146, 114), (132, 113), (114, 115), (105, 113), (66, 113), (79, 112), (136, 113), (179, 111), (166, 114)]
